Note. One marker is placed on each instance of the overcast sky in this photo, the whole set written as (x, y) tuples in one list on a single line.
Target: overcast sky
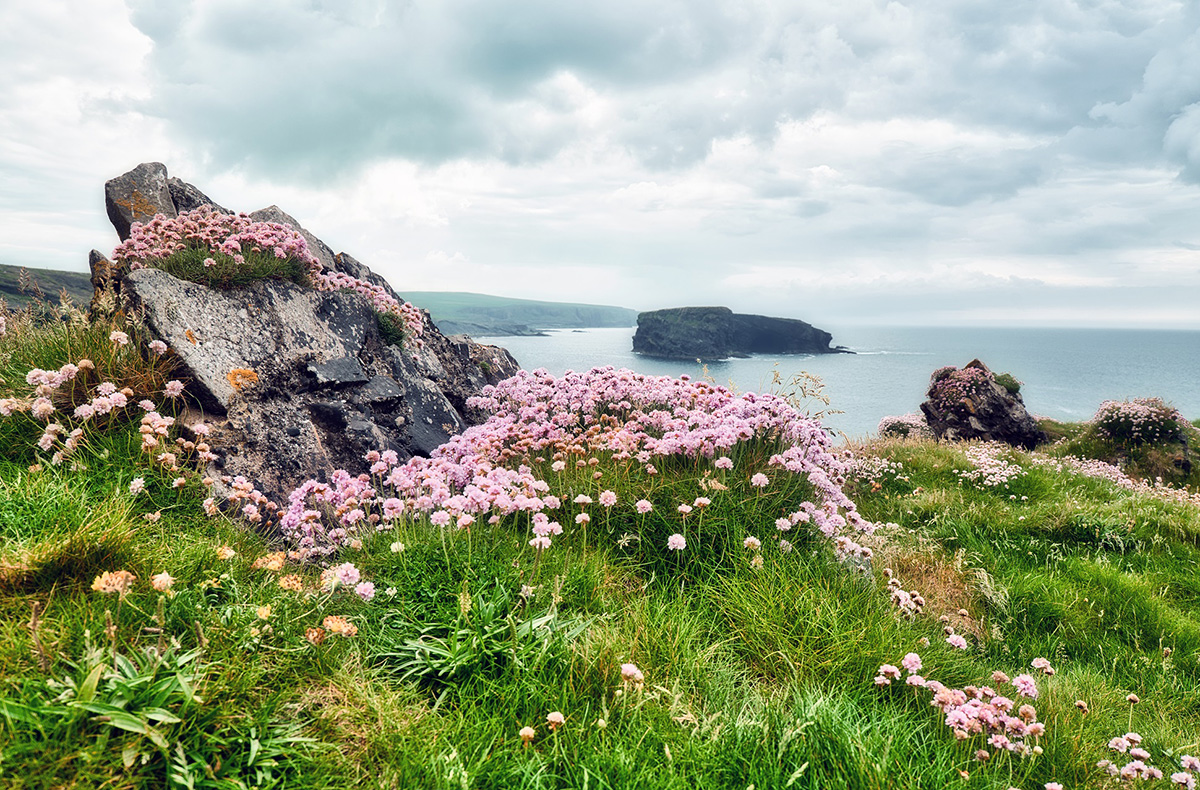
[(1027, 162)]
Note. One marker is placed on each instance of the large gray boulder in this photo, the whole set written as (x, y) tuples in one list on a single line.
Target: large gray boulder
[(968, 403), (296, 382)]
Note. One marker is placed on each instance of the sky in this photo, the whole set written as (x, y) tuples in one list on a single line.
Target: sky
[(930, 162)]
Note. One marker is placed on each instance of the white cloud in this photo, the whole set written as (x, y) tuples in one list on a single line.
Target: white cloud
[(860, 160)]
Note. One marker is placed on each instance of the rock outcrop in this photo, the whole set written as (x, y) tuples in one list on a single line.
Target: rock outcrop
[(711, 333), (968, 403), (294, 382)]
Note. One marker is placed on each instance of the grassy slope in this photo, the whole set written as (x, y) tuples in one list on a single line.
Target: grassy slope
[(753, 675), (78, 285)]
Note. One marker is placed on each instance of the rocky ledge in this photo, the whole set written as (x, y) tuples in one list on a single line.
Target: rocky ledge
[(711, 333)]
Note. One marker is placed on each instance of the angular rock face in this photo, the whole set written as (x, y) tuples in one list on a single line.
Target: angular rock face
[(295, 382), (969, 404), (137, 196), (717, 332)]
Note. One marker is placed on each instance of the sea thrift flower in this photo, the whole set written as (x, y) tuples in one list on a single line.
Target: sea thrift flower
[(315, 636), (137, 486), (1190, 763), (1043, 664), (911, 662), (1025, 686), (226, 553), (173, 389), (397, 547), (759, 480), (752, 543), (540, 542), (158, 347), (684, 509), (756, 561), (1053, 786), (643, 506), (555, 720), (527, 734), (724, 462), (631, 674), (162, 582), (783, 524), (954, 640), (608, 498), (264, 612), (702, 501), (365, 590), (120, 338), (676, 542), (1133, 699), (291, 582), (583, 499)]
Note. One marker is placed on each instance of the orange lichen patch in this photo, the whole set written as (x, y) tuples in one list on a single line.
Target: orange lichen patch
[(139, 206), (239, 378), (191, 338)]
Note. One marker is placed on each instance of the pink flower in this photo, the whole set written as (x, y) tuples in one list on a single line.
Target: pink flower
[(583, 499), (759, 480), (173, 389), (915, 680), (137, 486), (676, 542), (643, 506), (724, 462), (1026, 686), (1053, 786), (120, 338), (1043, 664), (889, 671), (555, 720), (954, 640), (684, 509), (752, 543), (162, 582), (783, 524), (631, 674), (608, 498), (365, 590), (527, 734), (158, 347), (911, 662), (540, 542)]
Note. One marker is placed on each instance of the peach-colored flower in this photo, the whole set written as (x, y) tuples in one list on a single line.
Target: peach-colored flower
[(527, 734), (226, 553), (555, 720), (119, 582), (264, 612), (340, 626), (162, 582), (291, 582), (315, 636)]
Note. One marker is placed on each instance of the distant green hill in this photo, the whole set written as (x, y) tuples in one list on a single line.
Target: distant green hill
[(49, 281), (481, 314), (454, 312)]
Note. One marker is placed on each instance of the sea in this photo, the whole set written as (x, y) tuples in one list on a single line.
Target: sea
[(1065, 373)]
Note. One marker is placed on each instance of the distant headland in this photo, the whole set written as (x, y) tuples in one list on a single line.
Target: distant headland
[(712, 333)]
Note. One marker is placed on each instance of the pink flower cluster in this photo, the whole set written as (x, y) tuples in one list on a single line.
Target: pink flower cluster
[(979, 710), (990, 468), (950, 388), (1138, 421), (205, 227), (412, 316), (625, 415), (1139, 767), (1090, 467), (907, 425)]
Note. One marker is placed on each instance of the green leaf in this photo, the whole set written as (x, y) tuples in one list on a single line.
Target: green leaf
[(87, 689)]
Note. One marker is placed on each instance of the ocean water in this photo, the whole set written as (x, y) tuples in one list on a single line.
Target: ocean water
[(1066, 373)]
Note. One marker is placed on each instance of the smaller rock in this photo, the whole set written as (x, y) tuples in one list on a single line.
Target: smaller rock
[(187, 197), (969, 404)]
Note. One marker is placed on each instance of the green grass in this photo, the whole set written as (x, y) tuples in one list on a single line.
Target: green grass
[(753, 675)]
